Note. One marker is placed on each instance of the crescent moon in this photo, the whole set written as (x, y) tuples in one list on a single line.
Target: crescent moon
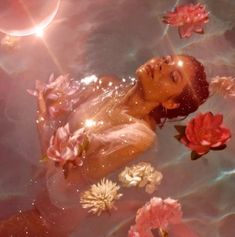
[(41, 26)]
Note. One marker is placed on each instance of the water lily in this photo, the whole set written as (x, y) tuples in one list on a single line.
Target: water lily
[(205, 132), (67, 148), (189, 19), (56, 98)]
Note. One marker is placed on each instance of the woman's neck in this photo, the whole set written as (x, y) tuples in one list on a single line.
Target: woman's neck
[(136, 104)]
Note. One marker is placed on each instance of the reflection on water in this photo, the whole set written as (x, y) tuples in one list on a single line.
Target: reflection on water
[(115, 37)]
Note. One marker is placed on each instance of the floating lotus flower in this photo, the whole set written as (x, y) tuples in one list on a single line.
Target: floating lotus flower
[(224, 86), (188, 18), (56, 98), (203, 133), (156, 214), (67, 148)]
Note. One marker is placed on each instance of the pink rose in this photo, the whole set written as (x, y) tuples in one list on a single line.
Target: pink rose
[(155, 214), (66, 147), (188, 18), (205, 132)]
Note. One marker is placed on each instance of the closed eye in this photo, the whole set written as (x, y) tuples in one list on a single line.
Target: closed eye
[(168, 60), (175, 76)]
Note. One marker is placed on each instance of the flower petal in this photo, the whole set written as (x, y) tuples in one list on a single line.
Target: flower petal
[(200, 150), (207, 119), (217, 120)]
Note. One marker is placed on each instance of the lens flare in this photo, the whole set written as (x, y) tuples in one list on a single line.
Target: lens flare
[(39, 32), (180, 63), (26, 17), (90, 123)]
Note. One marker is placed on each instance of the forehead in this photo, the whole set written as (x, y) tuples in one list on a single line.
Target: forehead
[(182, 61), (184, 64), (177, 60)]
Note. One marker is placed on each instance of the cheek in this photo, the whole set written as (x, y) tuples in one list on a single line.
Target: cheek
[(165, 85), (165, 90), (168, 90)]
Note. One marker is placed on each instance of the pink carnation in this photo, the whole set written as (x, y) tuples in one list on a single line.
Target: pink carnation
[(57, 97), (188, 18), (66, 147), (155, 214)]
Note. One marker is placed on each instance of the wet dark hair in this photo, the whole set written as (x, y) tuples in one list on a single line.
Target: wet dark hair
[(191, 97)]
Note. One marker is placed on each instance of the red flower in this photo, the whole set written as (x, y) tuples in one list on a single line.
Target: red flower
[(189, 18), (205, 132)]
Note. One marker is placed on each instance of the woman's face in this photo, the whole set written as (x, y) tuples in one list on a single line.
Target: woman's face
[(163, 79)]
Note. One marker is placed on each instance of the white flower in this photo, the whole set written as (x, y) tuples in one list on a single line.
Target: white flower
[(141, 175), (100, 197)]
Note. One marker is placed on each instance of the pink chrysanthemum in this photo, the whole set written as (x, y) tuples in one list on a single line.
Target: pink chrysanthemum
[(66, 147), (223, 85), (188, 18), (155, 214)]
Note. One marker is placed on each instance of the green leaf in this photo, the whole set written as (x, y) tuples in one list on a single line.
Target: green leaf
[(195, 156), (178, 137), (219, 148), (66, 170), (181, 129), (85, 143), (43, 159), (80, 147)]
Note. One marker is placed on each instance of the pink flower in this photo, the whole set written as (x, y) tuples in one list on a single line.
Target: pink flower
[(66, 147), (155, 214), (205, 132), (188, 18), (57, 97), (223, 85)]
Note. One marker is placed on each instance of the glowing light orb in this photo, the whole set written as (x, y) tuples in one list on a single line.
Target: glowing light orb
[(180, 63), (26, 17), (39, 32), (89, 79), (90, 123)]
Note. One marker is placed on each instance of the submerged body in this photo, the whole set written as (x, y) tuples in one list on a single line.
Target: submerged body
[(119, 122)]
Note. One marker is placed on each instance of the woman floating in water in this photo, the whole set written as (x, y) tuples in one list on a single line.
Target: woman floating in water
[(92, 128)]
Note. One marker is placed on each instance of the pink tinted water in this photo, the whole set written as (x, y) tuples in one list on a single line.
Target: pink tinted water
[(115, 37)]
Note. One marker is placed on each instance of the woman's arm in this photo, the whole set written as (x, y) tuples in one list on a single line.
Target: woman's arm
[(115, 147)]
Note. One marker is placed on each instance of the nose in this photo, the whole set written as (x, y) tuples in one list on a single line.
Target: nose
[(154, 61)]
